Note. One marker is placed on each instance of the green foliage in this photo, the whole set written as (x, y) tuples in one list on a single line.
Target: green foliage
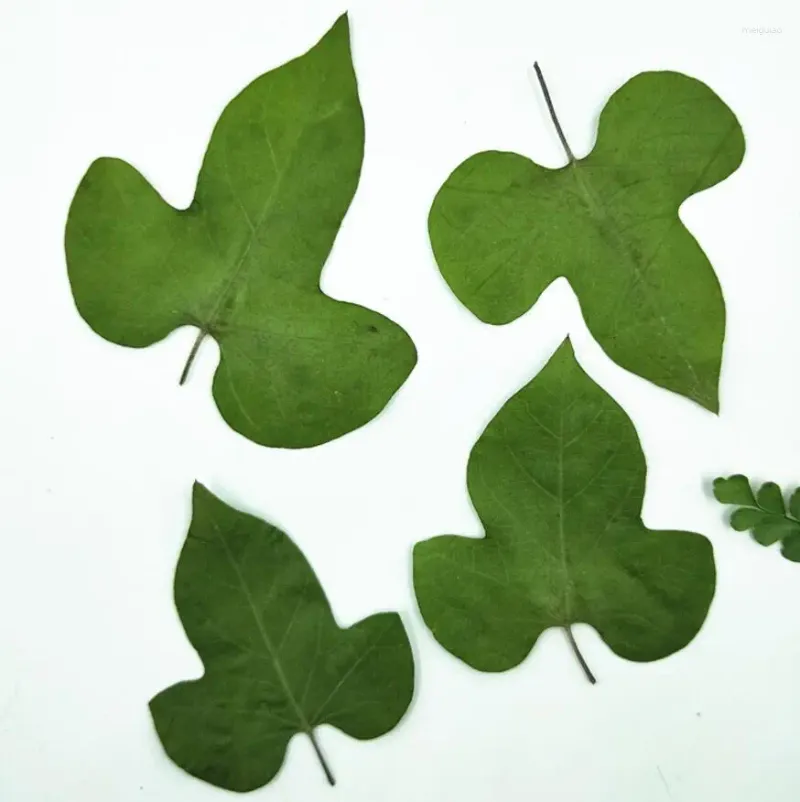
[(762, 513), (243, 262), (276, 663), (558, 480), (503, 228)]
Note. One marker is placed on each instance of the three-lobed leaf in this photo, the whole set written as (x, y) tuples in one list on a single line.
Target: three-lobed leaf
[(557, 479), (763, 513), (276, 663), (242, 263), (503, 228)]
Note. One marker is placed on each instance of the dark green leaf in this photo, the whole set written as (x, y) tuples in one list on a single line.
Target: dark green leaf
[(558, 479), (791, 547), (276, 663), (771, 529), (734, 490), (746, 518), (794, 504), (243, 262), (769, 522), (503, 228), (770, 498)]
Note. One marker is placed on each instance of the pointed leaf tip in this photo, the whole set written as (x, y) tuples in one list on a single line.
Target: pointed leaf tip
[(201, 493)]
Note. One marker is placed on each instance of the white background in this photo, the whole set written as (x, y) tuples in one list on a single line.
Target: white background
[(99, 445)]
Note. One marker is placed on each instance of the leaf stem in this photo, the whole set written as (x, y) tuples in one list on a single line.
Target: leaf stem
[(553, 115), (577, 651), (325, 767), (192, 354)]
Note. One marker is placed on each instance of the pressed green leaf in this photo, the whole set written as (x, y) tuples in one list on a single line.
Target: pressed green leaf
[(794, 504), (503, 228), (242, 263), (791, 547), (734, 490), (764, 514), (746, 518), (558, 480), (276, 663), (772, 529), (770, 498)]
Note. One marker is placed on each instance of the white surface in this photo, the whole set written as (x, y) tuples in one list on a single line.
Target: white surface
[(100, 446)]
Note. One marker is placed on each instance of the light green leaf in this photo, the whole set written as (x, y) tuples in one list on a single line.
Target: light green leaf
[(734, 490), (243, 262), (276, 663), (503, 228), (558, 480)]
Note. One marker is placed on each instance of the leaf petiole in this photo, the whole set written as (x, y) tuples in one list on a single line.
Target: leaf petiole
[(325, 767), (553, 115), (192, 354), (584, 665)]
